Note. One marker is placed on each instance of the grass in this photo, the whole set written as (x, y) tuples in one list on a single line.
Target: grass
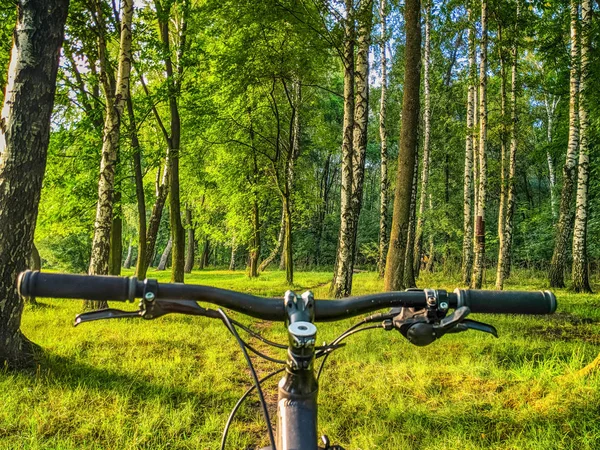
[(170, 383)]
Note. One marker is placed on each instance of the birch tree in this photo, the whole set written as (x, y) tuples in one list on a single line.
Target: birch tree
[(383, 183), (467, 245), (565, 214), (551, 103), (479, 265), (115, 98), (24, 137), (581, 282)]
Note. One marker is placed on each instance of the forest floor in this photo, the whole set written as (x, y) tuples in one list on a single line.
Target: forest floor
[(171, 383)]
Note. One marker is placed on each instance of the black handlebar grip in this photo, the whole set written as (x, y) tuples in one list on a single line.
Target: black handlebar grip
[(507, 302), (88, 287)]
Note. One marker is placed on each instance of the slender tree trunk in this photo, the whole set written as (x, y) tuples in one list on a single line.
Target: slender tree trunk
[(161, 192), (141, 266), (116, 237), (255, 242), (503, 191), (565, 214), (479, 265), (280, 237), (394, 269), (409, 273), (24, 136), (342, 279), (129, 257), (506, 228), (581, 282), (361, 121), (115, 103), (162, 265), (191, 242), (232, 261), (551, 104), (426, 143), (383, 184), (467, 247), (35, 263)]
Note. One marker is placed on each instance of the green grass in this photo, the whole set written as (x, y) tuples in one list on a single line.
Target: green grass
[(171, 383)]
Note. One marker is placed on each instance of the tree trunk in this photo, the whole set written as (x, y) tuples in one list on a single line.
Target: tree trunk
[(416, 261), (24, 136), (173, 141), (141, 266), (162, 265), (278, 246), (205, 254), (255, 242), (409, 273), (115, 103), (506, 228), (129, 257), (565, 214), (232, 261), (35, 263), (467, 246), (479, 265), (162, 191), (116, 237), (551, 102), (342, 278), (191, 242), (394, 269), (361, 121), (383, 184), (503, 191), (581, 282)]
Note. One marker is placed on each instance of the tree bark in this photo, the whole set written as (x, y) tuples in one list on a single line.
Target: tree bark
[(467, 247), (161, 192), (409, 272), (173, 140), (24, 137), (191, 242), (162, 265), (565, 216), (418, 239), (479, 265), (506, 228), (551, 102), (383, 184), (115, 103), (116, 237), (342, 278), (394, 270), (255, 241), (129, 257), (580, 271), (141, 265), (280, 238), (232, 261), (503, 190)]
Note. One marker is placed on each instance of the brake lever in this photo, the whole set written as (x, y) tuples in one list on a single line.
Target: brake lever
[(108, 313), (469, 324)]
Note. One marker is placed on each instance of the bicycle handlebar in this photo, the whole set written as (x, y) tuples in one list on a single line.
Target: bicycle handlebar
[(111, 288)]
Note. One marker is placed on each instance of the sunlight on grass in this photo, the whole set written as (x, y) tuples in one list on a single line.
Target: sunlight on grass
[(170, 383)]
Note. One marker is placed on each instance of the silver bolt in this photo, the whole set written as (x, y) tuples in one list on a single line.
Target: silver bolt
[(443, 306), (149, 296)]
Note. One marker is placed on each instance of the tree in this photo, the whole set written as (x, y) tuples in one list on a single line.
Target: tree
[(383, 183), (394, 270), (479, 265), (565, 214), (115, 98), (581, 281), (24, 136)]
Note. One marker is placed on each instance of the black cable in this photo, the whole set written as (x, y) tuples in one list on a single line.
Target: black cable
[(239, 403), (263, 402), (349, 332), (257, 336), (263, 355)]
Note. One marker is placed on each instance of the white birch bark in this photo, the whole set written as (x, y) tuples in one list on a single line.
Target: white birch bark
[(580, 269), (551, 103)]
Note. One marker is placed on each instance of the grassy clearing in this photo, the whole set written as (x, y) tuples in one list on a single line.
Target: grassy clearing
[(170, 383)]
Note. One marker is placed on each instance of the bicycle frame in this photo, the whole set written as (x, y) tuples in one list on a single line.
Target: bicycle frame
[(298, 389)]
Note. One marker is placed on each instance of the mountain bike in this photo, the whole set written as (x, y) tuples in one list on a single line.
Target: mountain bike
[(421, 316)]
